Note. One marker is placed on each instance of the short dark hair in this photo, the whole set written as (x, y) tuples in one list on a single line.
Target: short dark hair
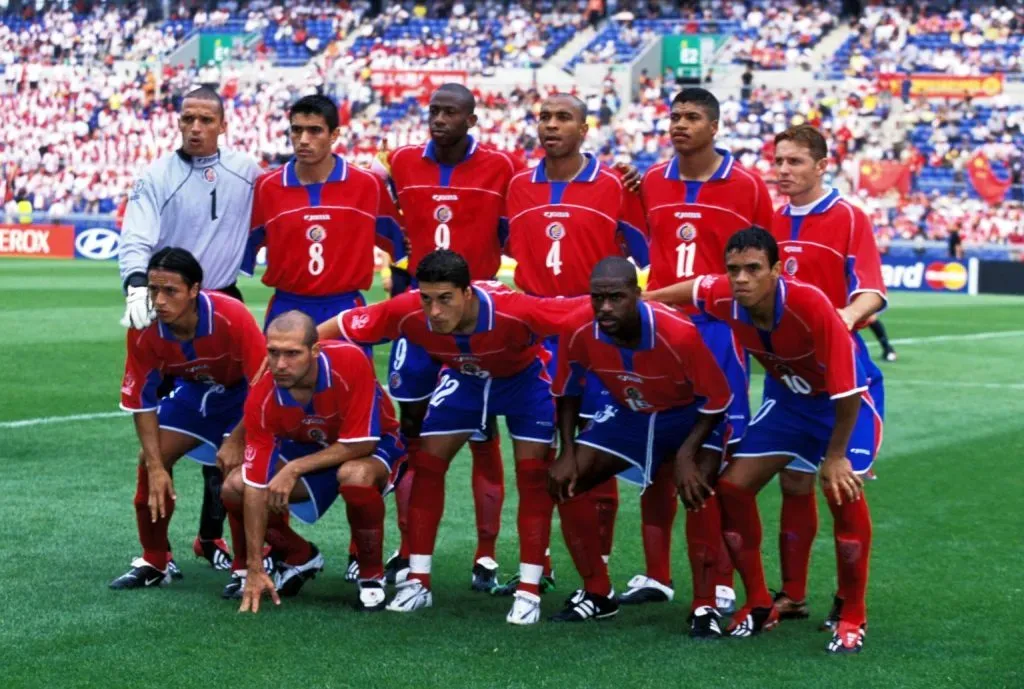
[(443, 265), (177, 260), (701, 97), (296, 320), (754, 237), (806, 135), (467, 101), (577, 104), (208, 94), (615, 268), (316, 105)]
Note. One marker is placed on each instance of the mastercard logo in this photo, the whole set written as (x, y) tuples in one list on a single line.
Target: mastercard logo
[(951, 276)]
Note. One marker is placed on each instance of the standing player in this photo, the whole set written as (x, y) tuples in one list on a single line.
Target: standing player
[(319, 425), (566, 215), (655, 364), (197, 198), (827, 242), (817, 410), (486, 335), (212, 345)]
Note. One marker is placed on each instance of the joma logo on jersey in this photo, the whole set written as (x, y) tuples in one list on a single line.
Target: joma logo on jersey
[(314, 218), (556, 214), (686, 232), (443, 213), (312, 421), (316, 233), (793, 249), (444, 197), (626, 378), (686, 215), (555, 231), (791, 265)]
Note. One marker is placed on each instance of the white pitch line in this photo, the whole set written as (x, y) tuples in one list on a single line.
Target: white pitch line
[(43, 420), (953, 338)]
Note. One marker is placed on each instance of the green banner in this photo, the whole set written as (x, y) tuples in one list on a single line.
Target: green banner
[(217, 46), (686, 54)]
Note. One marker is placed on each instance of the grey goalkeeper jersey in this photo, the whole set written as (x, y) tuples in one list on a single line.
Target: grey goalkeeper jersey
[(200, 204)]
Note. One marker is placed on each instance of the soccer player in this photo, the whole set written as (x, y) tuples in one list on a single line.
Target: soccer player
[(199, 199), (695, 201), (817, 409), (565, 215), (827, 242), (486, 335), (212, 345), (317, 426), (655, 365)]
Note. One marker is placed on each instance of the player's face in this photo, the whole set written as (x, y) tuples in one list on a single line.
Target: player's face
[(311, 138), (170, 296), (201, 124), (690, 128), (444, 304), (796, 170), (614, 303), (559, 128), (751, 277), (448, 119), (289, 359)]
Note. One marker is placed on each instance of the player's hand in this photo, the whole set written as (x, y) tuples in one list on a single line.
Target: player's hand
[(230, 456), (280, 489), (690, 481), (161, 493), (630, 176), (256, 584), (848, 319), (137, 313), (839, 481), (562, 476)]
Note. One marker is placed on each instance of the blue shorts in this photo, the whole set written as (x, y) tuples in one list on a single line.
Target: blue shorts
[(735, 363), (322, 486), (876, 386), (205, 412), (800, 426), (643, 440), (462, 403), (412, 374), (320, 309)]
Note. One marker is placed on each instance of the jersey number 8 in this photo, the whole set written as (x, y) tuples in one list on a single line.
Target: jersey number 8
[(316, 258)]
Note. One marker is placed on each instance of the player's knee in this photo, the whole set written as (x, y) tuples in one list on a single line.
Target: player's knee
[(362, 472), (142, 458), (231, 489), (796, 482)]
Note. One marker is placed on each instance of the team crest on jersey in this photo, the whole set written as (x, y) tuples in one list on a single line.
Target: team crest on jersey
[(395, 380), (316, 233), (128, 385), (317, 435), (443, 213), (136, 190), (555, 231), (686, 232), (250, 454), (360, 321), (791, 265), (210, 175)]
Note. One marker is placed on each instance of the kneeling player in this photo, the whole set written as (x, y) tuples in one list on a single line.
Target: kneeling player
[(211, 344), (488, 338), (655, 364), (317, 426), (817, 411)]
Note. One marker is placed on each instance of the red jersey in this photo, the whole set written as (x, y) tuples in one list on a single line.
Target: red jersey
[(459, 207), (831, 246), (671, 367), (691, 222), (348, 406), (228, 349), (558, 231), (320, 237), (808, 349), (506, 341)]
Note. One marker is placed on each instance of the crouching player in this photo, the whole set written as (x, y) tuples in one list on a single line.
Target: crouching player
[(667, 396), (212, 345), (317, 426), (816, 411), (488, 339)]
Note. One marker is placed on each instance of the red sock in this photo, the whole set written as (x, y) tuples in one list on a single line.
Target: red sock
[(365, 508), (152, 535), (723, 569), (488, 494), (658, 507), (235, 513), (403, 492), (282, 538), (552, 455), (853, 550), (426, 505), (741, 525), (796, 538), (606, 495), (704, 546), (579, 519), (534, 522)]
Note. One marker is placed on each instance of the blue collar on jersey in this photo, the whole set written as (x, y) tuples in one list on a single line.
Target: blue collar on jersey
[(741, 314), (196, 161), (205, 325), (430, 152), (323, 381), (647, 337), (672, 169), (587, 174), (338, 174), (822, 206), (484, 318)]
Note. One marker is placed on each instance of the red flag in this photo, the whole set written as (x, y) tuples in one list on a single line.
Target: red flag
[(878, 177), (990, 188)]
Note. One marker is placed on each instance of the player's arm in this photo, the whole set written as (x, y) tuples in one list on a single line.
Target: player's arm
[(257, 231), (568, 390), (374, 324), (837, 477), (679, 294), (863, 274), (259, 453), (764, 212), (632, 228), (140, 233), (389, 235), (545, 316)]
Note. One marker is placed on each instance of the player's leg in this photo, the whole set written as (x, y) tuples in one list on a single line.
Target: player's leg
[(361, 484), (488, 481), (605, 495), (797, 530), (878, 328), (231, 495), (209, 542)]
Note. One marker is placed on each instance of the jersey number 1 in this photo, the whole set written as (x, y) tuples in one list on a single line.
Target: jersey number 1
[(213, 205), (685, 253)]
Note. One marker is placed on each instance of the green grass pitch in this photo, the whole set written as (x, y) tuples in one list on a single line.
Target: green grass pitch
[(946, 581)]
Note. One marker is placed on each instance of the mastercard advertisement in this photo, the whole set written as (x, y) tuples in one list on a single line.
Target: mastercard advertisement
[(930, 276)]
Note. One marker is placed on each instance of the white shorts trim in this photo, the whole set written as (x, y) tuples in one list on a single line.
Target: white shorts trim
[(253, 484), (137, 411), (201, 439), (358, 440), (848, 393), (455, 432), (525, 439), (642, 469), (411, 399)]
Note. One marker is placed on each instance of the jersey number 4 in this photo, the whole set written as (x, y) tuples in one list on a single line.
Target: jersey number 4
[(554, 257)]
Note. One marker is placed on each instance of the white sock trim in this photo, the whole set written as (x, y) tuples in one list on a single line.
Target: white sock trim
[(530, 574), (420, 564)]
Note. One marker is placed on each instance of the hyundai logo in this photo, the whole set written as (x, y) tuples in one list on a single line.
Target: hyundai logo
[(98, 243)]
